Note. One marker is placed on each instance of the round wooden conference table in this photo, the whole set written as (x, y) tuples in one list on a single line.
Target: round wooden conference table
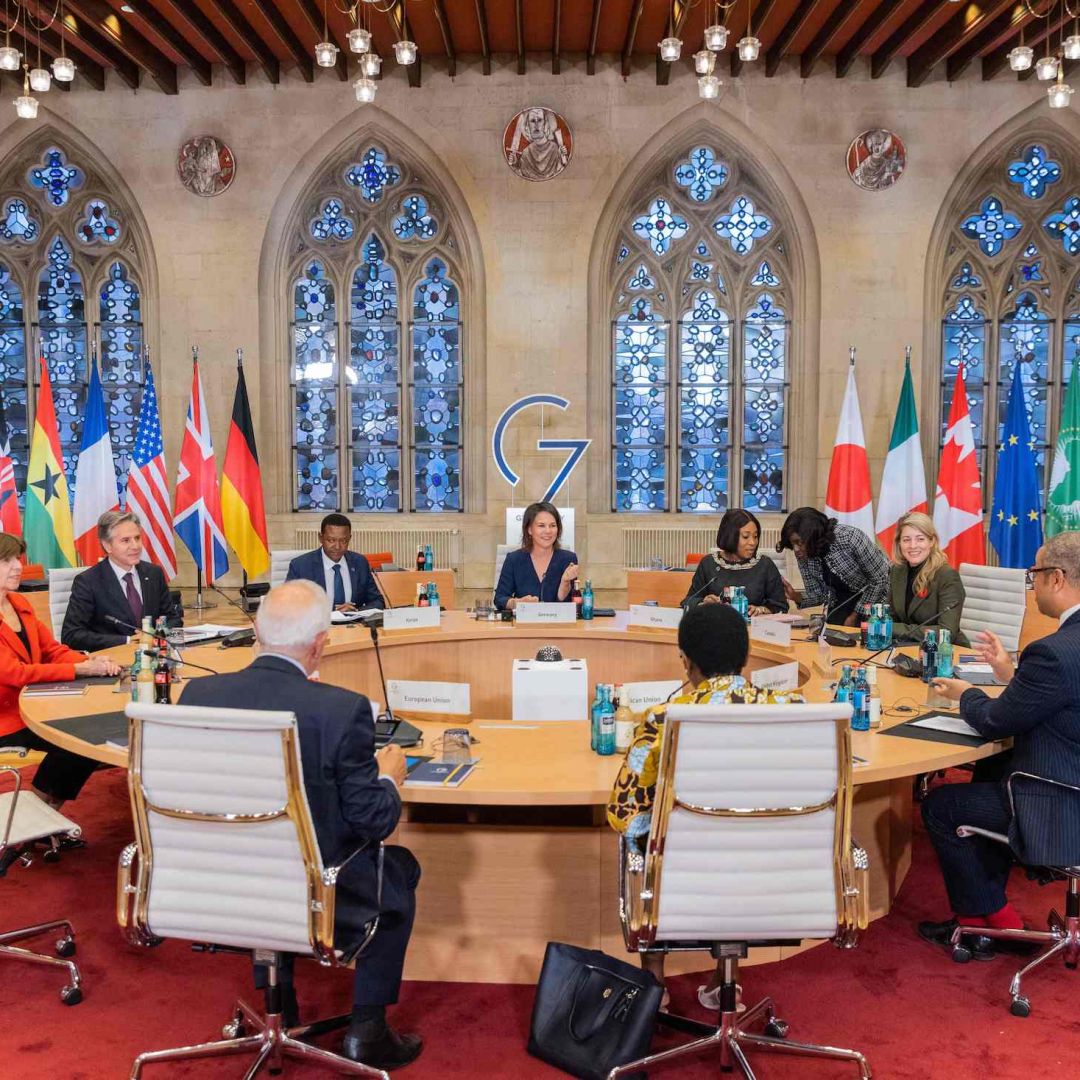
[(520, 854)]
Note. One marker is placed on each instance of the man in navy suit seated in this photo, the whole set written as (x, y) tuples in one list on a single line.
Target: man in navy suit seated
[(110, 600), (352, 791), (344, 575), (1040, 710)]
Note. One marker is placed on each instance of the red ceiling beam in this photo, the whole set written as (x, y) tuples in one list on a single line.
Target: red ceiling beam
[(127, 40), (399, 24), (958, 62), (911, 26), (788, 33), (874, 22), (556, 64), (243, 29), (948, 38), (823, 38), (762, 13), (631, 33), (315, 20), (233, 61), (594, 33), (680, 11), (305, 60), (168, 33), (485, 44), (439, 8)]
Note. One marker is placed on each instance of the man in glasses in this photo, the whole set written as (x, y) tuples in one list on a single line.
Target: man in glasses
[(1040, 710)]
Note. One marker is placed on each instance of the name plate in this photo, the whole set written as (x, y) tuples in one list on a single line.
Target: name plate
[(640, 696), (445, 698), (412, 618), (655, 618), (765, 628), (780, 677), (545, 613)]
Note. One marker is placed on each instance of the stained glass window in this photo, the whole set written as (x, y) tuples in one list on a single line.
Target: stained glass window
[(390, 418), (13, 371), (121, 361), (699, 412), (1010, 270)]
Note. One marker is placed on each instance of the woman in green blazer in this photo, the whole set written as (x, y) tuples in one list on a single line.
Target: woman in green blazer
[(922, 583)]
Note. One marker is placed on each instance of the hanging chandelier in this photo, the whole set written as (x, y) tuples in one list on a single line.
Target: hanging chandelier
[(670, 46), (10, 60), (749, 47), (63, 67)]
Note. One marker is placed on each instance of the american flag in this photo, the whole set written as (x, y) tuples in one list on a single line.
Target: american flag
[(147, 487), (9, 496)]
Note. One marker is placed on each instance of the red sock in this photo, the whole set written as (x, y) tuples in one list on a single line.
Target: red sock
[(971, 920), (1006, 918)]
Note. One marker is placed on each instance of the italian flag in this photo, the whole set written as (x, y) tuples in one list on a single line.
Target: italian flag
[(848, 495), (958, 515), (903, 480)]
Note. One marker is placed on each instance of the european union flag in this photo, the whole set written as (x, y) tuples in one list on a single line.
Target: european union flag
[(1015, 522)]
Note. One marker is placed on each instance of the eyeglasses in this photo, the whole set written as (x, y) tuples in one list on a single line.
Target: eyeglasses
[(1031, 571)]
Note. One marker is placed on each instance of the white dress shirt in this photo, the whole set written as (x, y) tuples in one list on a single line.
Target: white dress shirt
[(328, 574), (121, 572), (1068, 614)]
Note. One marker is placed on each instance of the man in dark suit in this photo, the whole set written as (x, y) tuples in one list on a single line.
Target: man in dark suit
[(1040, 710), (110, 600), (344, 574), (354, 800)]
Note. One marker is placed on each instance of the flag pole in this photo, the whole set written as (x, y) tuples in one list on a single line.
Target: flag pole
[(239, 372), (201, 603)]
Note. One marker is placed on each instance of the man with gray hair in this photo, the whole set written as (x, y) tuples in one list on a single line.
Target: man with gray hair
[(1040, 710), (110, 600), (352, 791)]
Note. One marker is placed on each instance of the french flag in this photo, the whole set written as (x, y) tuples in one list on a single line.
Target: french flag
[(95, 475)]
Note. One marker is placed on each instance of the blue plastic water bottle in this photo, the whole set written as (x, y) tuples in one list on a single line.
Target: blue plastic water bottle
[(845, 688), (944, 655), (873, 633), (594, 716), (886, 627), (929, 653), (605, 743), (860, 703), (429, 558), (740, 603), (433, 594), (587, 601)]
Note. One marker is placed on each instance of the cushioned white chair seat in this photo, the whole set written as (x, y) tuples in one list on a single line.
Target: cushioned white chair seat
[(34, 818)]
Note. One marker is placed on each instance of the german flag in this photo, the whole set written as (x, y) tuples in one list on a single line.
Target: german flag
[(242, 509)]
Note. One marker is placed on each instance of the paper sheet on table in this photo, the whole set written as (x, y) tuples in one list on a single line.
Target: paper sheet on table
[(350, 616), (952, 724), (205, 631), (975, 669)]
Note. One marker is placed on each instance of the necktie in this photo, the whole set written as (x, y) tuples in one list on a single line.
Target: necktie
[(339, 586), (133, 598)]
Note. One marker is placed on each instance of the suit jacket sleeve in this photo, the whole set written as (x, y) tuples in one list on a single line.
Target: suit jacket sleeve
[(165, 605), (506, 586), (78, 630), (294, 573), (371, 807), (369, 595), (57, 662), (1038, 690), (814, 590)]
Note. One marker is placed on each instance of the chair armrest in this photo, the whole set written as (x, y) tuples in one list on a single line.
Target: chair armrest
[(18, 751), (1037, 779), (128, 872), (330, 877), (21, 752), (631, 885), (974, 830), (855, 897)]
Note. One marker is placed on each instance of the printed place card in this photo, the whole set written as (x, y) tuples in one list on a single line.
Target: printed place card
[(640, 696), (780, 677), (655, 618), (775, 631), (410, 695), (545, 613), (412, 618)]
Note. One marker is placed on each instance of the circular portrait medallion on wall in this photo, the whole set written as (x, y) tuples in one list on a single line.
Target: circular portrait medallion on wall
[(876, 159), (537, 143), (206, 166)]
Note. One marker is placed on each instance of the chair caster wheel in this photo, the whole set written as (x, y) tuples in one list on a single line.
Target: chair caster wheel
[(51, 856), (65, 946), (776, 1029), (1072, 966), (1020, 1006), (961, 954), (71, 995), (233, 1030)]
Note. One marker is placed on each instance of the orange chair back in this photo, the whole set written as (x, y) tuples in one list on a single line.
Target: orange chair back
[(33, 571), (694, 558), (379, 559)]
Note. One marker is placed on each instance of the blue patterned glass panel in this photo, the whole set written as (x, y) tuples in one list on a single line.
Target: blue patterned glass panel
[(414, 222), (374, 381), (314, 360), (332, 224), (660, 226), (992, 226), (56, 177), (964, 337), (1065, 225), (13, 372), (966, 278), (119, 312), (1034, 171), (435, 391), (1025, 336), (742, 225), (18, 224), (98, 226), (701, 173), (764, 377), (372, 174)]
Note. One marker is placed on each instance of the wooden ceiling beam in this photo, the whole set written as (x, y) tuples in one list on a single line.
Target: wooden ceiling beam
[(519, 35), (628, 40), (680, 11), (869, 27), (243, 29), (85, 66), (959, 61), (948, 38), (823, 38), (762, 13), (556, 63), (914, 23), (788, 32), (1052, 34), (314, 18), (998, 60), (594, 33), (128, 41), (485, 43), (81, 35), (304, 57), (233, 61), (399, 24), (439, 7), (200, 66)]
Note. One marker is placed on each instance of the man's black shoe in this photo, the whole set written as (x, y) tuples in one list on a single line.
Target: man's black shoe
[(389, 1051), (1015, 946), (940, 933)]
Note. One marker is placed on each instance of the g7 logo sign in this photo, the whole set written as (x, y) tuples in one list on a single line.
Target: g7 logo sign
[(577, 447)]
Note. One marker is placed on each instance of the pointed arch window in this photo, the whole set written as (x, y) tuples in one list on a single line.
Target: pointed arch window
[(382, 432), (70, 283), (1012, 294), (700, 359)]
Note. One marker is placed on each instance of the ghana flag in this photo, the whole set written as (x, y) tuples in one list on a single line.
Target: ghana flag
[(243, 513)]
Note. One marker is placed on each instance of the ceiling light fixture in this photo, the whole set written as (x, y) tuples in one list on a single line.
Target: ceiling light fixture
[(749, 46), (1060, 94), (325, 51), (404, 50), (1046, 68), (26, 107), (40, 79), (708, 87), (359, 40), (369, 64), (704, 62), (671, 46), (365, 90), (63, 66), (716, 34), (10, 60)]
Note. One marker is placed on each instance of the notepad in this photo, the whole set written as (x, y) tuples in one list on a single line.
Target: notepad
[(55, 689), (953, 725), (440, 773)]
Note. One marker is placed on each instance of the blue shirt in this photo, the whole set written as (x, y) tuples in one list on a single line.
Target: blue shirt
[(519, 578)]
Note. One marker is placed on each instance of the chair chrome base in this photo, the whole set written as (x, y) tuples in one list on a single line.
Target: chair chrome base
[(271, 1044), (1062, 937), (733, 1033), (65, 947)]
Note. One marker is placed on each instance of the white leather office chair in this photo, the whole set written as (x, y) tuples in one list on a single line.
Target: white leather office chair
[(279, 564), (225, 853), (750, 844), (24, 819), (501, 551), (995, 599), (60, 581)]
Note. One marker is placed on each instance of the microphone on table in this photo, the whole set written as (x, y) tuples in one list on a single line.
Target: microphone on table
[(836, 637), (128, 628), (908, 661), (909, 666), (120, 624), (382, 592), (697, 592)]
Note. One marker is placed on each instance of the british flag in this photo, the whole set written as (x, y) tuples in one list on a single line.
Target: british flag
[(9, 497), (148, 485), (197, 518)]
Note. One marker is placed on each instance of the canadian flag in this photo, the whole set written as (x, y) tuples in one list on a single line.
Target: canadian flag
[(848, 495), (958, 514)]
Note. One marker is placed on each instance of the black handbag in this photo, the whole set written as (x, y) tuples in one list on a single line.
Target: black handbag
[(592, 1012)]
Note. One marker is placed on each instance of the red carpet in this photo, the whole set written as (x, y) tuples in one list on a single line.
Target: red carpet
[(907, 1006)]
